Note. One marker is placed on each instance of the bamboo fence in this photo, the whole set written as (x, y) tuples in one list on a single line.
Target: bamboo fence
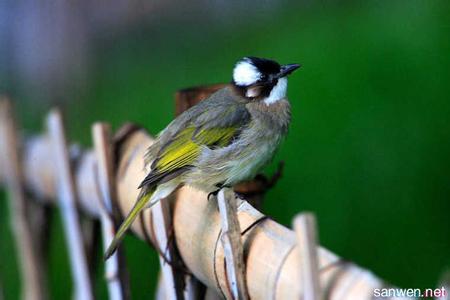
[(226, 245)]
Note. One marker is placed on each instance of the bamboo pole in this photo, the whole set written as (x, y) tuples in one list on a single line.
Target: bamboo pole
[(67, 202), (195, 290), (115, 271), (231, 243), (305, 228), (32, 270), (160, 289), (173, 281)]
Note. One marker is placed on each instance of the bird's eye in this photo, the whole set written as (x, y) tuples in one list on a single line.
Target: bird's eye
[(263, 77)]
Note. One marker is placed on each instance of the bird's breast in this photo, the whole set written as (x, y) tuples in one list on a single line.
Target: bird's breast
[(253, 149), (248, 153)]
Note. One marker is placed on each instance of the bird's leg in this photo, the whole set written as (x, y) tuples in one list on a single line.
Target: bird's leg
[(239, 195)]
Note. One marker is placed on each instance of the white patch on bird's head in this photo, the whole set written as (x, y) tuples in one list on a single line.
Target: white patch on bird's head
[(245, 73), (278, 92)]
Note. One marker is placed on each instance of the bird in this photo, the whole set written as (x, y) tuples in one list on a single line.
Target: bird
[(221, 141)]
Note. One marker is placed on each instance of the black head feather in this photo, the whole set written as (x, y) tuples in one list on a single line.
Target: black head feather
[(265, 66)]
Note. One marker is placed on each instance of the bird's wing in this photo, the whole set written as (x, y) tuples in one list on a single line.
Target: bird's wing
[(213, 123), (214, 126)]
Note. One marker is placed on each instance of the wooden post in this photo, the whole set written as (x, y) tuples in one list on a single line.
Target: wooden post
[(115, 271), (187, 98), (30, 260), (305, 229), (231, 242), (67, 203)]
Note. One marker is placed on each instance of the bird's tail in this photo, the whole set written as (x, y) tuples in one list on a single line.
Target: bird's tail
[(140, 204)]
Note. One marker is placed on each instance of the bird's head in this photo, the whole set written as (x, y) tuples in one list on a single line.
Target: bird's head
[(262, 79)]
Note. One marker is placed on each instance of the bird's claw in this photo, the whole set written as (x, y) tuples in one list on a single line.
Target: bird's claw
[(213, 194)]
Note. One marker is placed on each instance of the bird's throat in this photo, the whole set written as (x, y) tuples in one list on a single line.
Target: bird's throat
[(277, 93)]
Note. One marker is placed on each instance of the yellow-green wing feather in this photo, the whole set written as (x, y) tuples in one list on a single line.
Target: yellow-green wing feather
[(183, 150), (132, 215)]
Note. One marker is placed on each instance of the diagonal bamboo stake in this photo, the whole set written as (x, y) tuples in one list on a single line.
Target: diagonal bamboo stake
[(231, 242), (172, 280), (160, 289), (194, 289), (115, 271), (305, 228), (18, 205), (33, 283), (269, 248), (67, 201)]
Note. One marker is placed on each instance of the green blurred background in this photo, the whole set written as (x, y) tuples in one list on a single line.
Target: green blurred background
[(368, 149)]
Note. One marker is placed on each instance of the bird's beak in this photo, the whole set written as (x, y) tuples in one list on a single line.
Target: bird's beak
[(288, 69)]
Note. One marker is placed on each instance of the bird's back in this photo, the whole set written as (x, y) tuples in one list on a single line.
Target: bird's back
[(219, 110)]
